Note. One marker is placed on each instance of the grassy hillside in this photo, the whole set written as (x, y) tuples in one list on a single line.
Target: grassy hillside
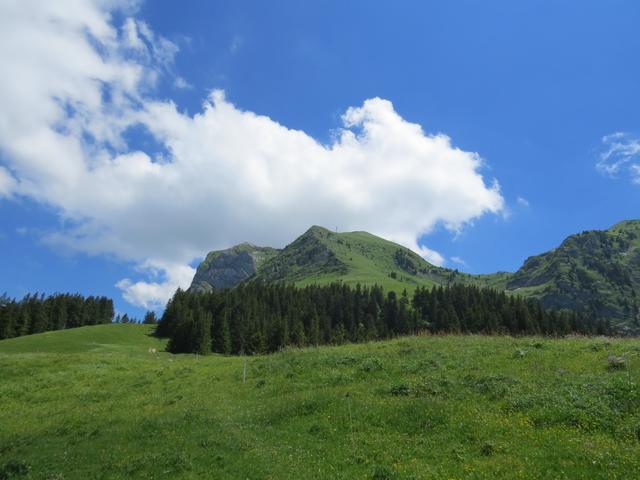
[(321, 256), (414, 408), (112, 338)]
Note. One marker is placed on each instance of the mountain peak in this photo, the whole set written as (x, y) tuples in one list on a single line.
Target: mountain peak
[(317, 230), (244, 246)]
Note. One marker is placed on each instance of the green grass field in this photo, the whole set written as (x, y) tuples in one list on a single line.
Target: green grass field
[(95, 403)]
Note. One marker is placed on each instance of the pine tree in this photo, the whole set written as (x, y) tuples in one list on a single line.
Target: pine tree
[(339, 335), (202, 328), (150, 318), (7, 315), (298, 337), (39, 318), (183, 339), (279, 334), (264, 318), (314, 329), (226, 338)]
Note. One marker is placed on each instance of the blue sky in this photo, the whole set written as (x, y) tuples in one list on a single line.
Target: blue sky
[(530, 87)]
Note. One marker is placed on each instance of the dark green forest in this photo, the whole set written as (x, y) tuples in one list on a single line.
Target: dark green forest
[(37, 313), (261, 318)]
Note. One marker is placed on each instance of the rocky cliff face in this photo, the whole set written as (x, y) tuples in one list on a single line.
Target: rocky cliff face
[(228, 268)]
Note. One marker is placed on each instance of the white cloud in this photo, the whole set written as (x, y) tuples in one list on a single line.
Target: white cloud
[(635, 173), (7, 183), (459, 261), (523, 202), (131, 36), (430, 255), (229, 175), (153, 294), (620, 157), (181, 84)]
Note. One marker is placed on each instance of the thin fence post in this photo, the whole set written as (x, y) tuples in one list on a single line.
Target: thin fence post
[(244, 369), (353, 442)]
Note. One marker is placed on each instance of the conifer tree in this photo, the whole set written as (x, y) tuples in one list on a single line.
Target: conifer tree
[(298, 337), (202, 330), (226, 338), (258, 318), (150, 318)]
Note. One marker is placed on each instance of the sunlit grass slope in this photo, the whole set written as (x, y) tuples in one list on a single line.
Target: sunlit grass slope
[(114, 338), (457, 407), (321, 256)]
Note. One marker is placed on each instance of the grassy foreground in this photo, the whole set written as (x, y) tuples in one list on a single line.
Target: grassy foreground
[(95, 403)]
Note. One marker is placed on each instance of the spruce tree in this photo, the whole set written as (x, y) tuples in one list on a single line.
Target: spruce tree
[(202, 329), (298, 336), (223, 343), (150, 318)]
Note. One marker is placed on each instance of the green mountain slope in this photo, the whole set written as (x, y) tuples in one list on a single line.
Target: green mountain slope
[(430, 407), (597, 270), (320, 256)]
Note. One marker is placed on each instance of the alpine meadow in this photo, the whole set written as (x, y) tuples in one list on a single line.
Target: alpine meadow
[(319, 240)]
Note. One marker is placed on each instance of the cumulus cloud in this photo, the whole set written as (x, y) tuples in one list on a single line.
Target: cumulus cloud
[(429, 255), (229, 175), (7, 182), (620, 156), (153, 294), (459, 261), (181, 84)]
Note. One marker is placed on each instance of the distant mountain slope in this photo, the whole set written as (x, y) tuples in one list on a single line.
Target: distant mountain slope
[(594, 270), (321, 256), (227, 268), (597, 270)]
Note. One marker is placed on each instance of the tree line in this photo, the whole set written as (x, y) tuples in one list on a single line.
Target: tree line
[(36, 313), (148, 319), (258, 318)]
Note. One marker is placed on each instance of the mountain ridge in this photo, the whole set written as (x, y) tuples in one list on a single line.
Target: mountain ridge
[(595, 270)]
